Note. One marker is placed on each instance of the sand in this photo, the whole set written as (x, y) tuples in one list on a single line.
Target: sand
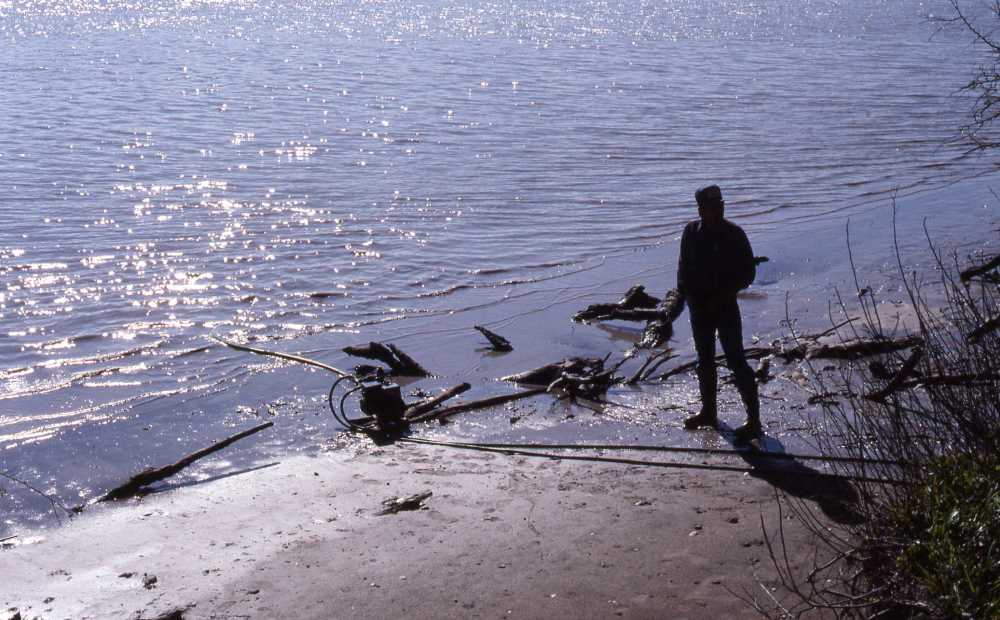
[(500, 536)]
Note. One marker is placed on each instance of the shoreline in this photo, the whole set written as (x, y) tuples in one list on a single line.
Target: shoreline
[(499, 537), (296, 536)]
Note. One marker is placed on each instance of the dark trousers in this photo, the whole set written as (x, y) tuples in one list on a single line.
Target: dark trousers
[(722, 317)]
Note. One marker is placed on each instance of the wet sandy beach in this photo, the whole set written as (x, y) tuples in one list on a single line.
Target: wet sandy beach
[(499, 537)]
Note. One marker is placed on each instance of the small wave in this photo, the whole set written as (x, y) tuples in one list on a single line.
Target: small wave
[(52, 266), (447, 291), (327, 294), (100, 358), (188, 352)]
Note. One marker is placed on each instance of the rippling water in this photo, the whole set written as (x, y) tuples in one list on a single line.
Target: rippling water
[(279, 170)]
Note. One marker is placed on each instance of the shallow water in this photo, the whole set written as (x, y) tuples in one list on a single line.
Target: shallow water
[(313, 175)]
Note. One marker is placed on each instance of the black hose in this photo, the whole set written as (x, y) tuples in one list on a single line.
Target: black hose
[(665, 464), (683, 450)]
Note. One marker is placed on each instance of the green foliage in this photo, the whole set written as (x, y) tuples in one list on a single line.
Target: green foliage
[(951, 529)]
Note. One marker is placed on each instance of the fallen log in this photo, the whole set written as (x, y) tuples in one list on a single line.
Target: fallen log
[(848, 350), (635, 298), (979, 270), (612, 312), (446, 412), (545, 375), (147, 477), (498, 342), (426, 405), (897, 381), (990, 325), (399, 363)]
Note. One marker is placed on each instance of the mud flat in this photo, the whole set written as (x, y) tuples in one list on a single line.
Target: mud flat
[(500, 536)]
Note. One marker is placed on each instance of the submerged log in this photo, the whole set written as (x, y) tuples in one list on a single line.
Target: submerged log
[(135, 484), (399, 363), (426, 405), (545, 375), (979, 270), (498, 342), (445, 412)]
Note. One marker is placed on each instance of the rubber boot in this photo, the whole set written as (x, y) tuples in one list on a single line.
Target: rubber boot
[(751, 400), (709, 414)]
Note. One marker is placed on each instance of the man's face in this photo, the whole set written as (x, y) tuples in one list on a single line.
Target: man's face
[(711, 214)]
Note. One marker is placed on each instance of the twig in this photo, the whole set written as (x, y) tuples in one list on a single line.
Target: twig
[(51, 499)]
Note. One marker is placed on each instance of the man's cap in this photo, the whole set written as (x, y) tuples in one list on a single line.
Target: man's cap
[(708, 196)]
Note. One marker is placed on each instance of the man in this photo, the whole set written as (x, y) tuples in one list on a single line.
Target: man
[(715, 263)]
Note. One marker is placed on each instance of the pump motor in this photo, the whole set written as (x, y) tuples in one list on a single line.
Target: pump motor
[(384, 402)]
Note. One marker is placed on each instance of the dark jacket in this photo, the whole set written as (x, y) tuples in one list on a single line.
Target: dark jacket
[(714, 264)]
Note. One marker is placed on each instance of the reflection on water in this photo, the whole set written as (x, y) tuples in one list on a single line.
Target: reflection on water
[(277, 170)]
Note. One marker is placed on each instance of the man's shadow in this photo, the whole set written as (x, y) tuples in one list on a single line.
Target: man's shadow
[(836, 497)]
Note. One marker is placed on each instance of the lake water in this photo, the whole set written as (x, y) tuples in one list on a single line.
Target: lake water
[(310, 175)]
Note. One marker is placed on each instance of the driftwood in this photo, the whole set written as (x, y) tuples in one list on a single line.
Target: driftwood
[(426, 405), (399, 363), (658, 358), (979, 270), (897, 381), (592, 385), (982, 330), (498, 342), (637, 305), (659, 330), (545, 375), (846, 351), (135, 484), (445, 412), (634, 298), (400, 504)]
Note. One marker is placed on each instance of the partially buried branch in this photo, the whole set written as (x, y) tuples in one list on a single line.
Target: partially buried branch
[(545, 375), (498, 342), (145, 478)]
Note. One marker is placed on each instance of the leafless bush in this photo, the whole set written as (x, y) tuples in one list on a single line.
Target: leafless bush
[(926, 421)]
